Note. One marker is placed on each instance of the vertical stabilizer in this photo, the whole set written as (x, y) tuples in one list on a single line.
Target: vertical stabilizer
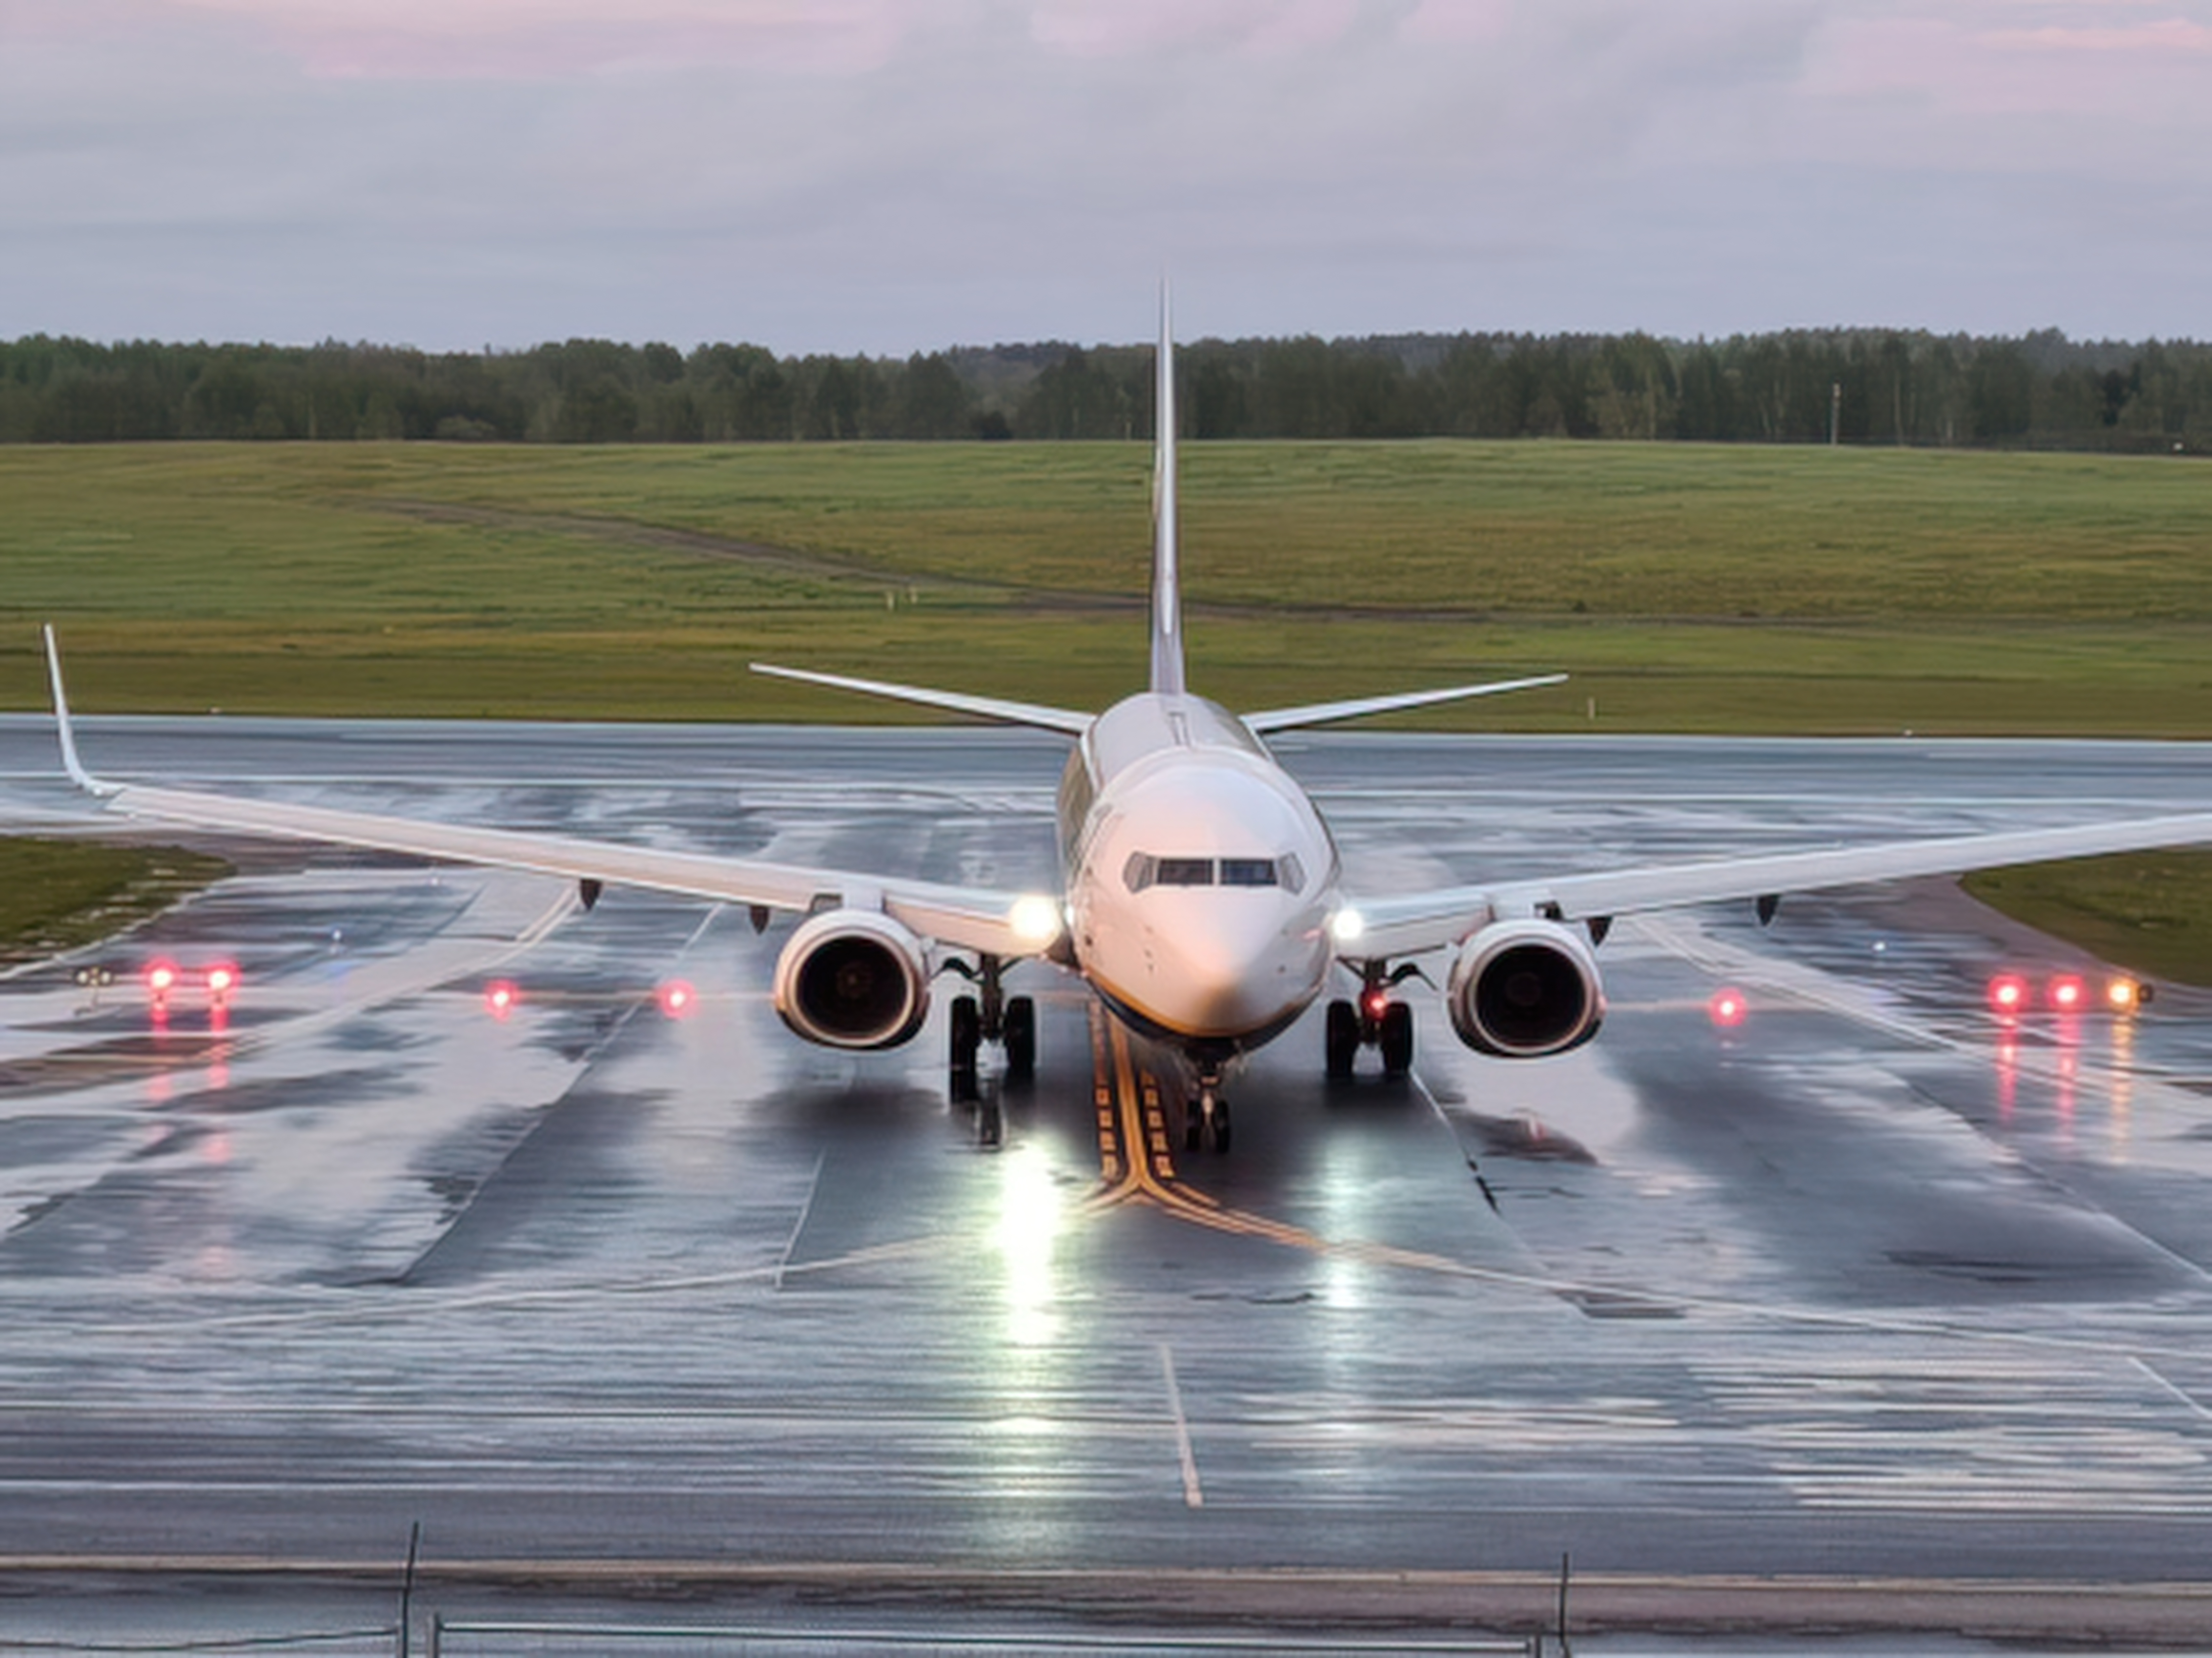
[(1166, 597)]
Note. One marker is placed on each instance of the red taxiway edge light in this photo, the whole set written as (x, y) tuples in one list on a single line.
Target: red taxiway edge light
[(2008, 992), (161, 977), (500, 997), (1728, 1007), (677, 998), (222, 980), (2067, 994)]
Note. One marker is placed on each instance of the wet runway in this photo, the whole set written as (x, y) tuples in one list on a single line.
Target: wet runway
[(1872, 1283)]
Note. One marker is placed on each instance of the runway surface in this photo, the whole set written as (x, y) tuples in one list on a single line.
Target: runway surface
[(1871, 1284)]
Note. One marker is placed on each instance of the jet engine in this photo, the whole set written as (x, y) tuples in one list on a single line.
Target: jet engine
[(852, 978), (1522, 989)]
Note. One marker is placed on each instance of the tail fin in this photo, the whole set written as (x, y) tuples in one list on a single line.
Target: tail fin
[(1167, 598)]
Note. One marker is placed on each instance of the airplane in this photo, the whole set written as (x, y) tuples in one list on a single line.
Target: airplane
[(1203, 901)]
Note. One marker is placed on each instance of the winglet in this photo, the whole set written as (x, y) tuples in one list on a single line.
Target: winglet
[(1167, 601), (78, 775)]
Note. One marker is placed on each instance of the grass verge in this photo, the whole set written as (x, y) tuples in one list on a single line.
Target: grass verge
[(2150, 911), (58, 895)]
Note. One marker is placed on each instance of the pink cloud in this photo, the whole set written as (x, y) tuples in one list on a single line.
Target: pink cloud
[(1130, 27), (2011, 57), (1457, 22), (545, 39), (2165, 35)]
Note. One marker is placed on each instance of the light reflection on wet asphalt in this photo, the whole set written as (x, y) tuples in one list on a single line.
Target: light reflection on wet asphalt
[(1871, 1282)]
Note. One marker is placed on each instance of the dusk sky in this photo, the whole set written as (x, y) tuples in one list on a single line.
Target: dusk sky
[(894, 175)]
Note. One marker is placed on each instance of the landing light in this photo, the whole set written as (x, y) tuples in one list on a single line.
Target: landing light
[(1346, 926), (1035, 918), (1728, 1007)]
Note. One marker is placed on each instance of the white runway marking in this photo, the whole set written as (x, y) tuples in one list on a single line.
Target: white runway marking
[(1194, 1496)]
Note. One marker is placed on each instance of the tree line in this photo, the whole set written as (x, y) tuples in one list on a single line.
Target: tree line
[(1860, 387)]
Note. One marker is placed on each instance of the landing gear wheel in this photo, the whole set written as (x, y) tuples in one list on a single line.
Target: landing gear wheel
[(1021, 1039), (1397, 1039), (966, 1024), (1205, 1123), (990, 1127), (1343, 1038)]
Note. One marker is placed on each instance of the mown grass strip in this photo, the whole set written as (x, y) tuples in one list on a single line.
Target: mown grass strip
[(1687, 588), (2150, 911), (56, 895)]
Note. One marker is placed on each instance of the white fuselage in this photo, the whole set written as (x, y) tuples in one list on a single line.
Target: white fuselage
[(1200, 879)]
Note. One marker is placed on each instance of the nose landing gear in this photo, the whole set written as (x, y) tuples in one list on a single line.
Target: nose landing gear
[(1206, 1124), (1206, 1117)]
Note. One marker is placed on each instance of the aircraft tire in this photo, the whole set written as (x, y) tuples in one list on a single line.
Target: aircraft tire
[(967, 1032), (1397, 1039), (1342, 1041), (1021, 1038)]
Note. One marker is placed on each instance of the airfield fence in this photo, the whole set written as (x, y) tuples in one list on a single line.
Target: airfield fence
[(486, 1639), (379, 1640)]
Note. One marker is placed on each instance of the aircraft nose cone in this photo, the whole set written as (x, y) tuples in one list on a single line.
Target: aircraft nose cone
[(1244, 972)]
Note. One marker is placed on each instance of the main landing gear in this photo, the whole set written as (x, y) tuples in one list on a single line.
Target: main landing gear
[(1377, 1019), (992, 1016)]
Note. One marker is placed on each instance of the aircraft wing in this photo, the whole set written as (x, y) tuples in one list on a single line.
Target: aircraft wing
[(1416, 922), (968, 918)]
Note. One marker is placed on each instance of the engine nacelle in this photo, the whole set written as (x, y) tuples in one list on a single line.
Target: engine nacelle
[(852, 978), (1525, 988)]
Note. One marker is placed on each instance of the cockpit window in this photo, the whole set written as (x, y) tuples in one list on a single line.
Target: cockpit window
[(1186, 872), (1144, 870)]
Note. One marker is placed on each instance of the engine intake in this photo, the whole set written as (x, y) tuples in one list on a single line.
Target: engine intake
[(1523, 989), (852, 978)]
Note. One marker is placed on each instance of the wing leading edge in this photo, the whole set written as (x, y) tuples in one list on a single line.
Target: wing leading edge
[(968, 918), (1416, 922)]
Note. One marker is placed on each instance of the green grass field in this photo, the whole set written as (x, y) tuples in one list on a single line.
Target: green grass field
[(57, 894), (1687, 588)]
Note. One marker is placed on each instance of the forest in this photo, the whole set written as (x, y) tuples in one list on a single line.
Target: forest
[(1854, 386)]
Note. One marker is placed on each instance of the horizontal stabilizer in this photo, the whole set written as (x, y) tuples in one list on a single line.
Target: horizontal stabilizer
[(985, 707), (1320, 714)]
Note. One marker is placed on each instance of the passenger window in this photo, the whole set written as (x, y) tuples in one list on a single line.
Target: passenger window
[(1137, 873), (1247, 871), (1186, 872)]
